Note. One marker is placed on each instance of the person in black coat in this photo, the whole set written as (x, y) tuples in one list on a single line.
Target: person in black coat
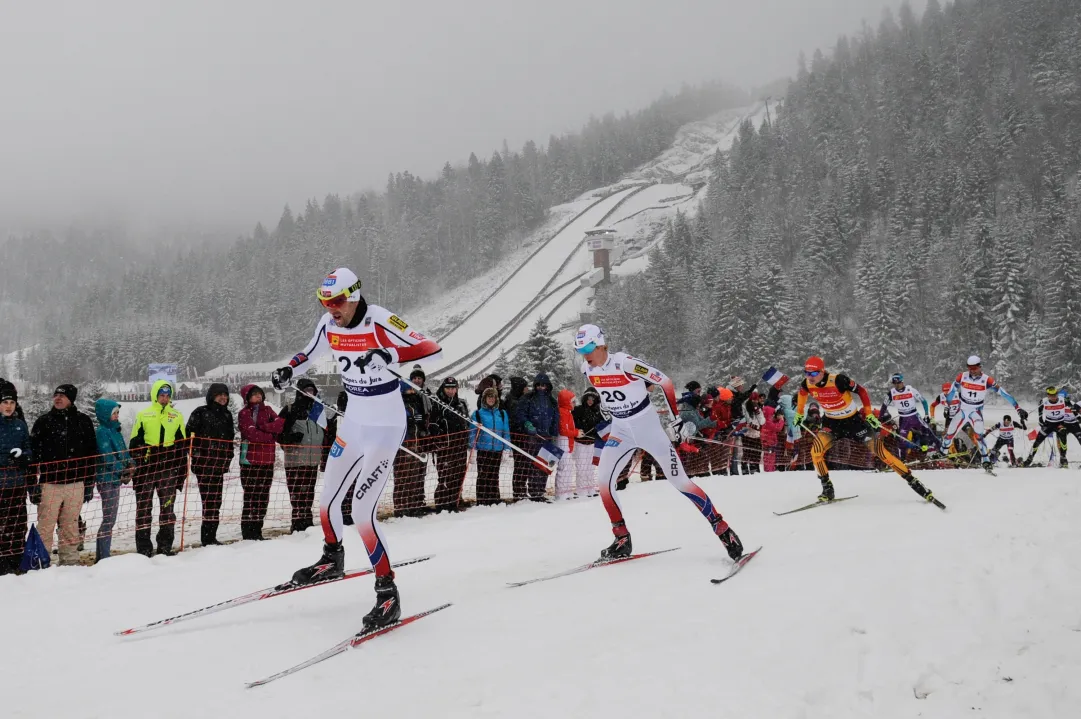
[(452, 424), (408, 470), (520, 473), (212, 434), (539, 415), (65, 449)]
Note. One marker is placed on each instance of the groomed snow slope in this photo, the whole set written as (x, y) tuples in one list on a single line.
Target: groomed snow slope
[(879, 607), (515, 295)]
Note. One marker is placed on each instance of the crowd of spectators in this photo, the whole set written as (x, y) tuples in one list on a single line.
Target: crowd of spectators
[(60, 463)]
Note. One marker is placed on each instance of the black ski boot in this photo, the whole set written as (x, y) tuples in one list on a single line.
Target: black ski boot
[(728, 539), (330, 566), (208, 533), (1064, 463), (827, 490), (918, 488), (143, 545), (387, 609), (620, 546)]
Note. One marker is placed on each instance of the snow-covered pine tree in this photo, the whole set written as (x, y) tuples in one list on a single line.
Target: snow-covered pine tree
[(543, 353)]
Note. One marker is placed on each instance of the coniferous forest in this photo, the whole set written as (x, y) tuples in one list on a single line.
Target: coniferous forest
[(914, 200), (104, 304)]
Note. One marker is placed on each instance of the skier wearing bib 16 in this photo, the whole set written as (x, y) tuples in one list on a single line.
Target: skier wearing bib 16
[(365, 340), (971, 388), (842, 418), (906, 400), (624, 384)]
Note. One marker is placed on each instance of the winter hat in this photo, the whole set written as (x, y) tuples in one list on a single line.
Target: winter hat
[(449, 382), (490, 392), (251, 389), (713, 392), (68, 390), (417, 372), (305, 383), (542, 380), (8, 392), (693, 386)]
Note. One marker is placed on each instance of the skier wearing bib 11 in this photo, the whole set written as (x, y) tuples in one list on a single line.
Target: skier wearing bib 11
[(624, 384), (971, 388), (365, 341)]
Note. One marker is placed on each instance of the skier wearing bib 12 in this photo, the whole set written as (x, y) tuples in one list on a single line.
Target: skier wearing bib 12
[(365, 340), (1052, 412), (842, 418), (624, 384), (971, 388)]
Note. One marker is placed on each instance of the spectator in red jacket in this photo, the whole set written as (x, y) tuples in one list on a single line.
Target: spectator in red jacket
[(772, 432), (259, 426)]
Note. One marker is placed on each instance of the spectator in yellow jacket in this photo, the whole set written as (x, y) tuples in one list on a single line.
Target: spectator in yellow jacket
[(159, 447)]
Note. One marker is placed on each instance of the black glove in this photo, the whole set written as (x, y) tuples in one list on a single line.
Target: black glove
[(1022, 417), (367, 357), (33, 493), (88, 493), (281, 377), (343, 401)]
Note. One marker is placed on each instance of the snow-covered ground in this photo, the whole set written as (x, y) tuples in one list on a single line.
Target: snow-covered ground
[(880, 607)]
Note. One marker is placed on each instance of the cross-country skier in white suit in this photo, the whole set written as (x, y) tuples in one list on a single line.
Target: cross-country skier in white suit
[(365, 340), (624, 384)]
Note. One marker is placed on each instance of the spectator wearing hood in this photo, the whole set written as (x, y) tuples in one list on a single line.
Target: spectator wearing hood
[(157, 445), (65, 449), (489, 449), (302, 442), (564, 483), (260, 426), (539, 415), (213, 436), (522, 465), (587, 415), (772, 436), (408, 470), (115, 466), (15, 458), (450, 416)]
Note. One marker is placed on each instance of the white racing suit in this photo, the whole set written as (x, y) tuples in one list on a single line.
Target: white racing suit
[(374, 423), (624, 383), (972, 391)]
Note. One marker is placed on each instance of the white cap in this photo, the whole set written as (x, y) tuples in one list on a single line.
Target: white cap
[(974, 359), (588, 335), (341, 281)]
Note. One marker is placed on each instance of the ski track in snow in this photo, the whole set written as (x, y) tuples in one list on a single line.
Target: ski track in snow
[(881, 607)]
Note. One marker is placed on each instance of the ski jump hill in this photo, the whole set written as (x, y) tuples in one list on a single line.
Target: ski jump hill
[(496, 311)]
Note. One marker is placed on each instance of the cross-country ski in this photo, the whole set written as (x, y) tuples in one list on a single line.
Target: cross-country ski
[(812, 505), (355, 641), (737, 565), (592, 565), (268, 593)]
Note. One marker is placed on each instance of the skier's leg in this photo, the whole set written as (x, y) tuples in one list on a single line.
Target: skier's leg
[(616, 455), (657, 444), (346, 455), (821, 441), (379, 444), (975, 420), (952, 429)]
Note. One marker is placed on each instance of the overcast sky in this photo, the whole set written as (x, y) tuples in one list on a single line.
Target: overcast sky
[(221, 112)]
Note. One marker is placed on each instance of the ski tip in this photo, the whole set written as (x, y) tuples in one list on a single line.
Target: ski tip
[(124, 633)]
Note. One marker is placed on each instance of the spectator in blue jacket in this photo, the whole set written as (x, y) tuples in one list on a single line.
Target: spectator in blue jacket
[(539, 416), (489, 449), (114, 468), (15, 458)]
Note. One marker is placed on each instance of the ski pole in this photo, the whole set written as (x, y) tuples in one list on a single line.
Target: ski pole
[(481, 427), (343, 414)]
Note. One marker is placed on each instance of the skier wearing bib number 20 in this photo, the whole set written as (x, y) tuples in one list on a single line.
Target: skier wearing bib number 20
[(971, 388), (365, 340), (624, 384)]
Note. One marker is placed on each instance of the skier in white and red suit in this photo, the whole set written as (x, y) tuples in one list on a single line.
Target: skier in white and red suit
[(366, 340), (624, 384)]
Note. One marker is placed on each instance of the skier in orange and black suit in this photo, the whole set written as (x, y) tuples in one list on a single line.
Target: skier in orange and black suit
[(843, 417)]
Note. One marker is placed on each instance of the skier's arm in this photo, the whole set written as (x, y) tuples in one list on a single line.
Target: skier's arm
[(801, 399), (993, 385), (404, 343), (637, 369), (316, 348), (923, 401)]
